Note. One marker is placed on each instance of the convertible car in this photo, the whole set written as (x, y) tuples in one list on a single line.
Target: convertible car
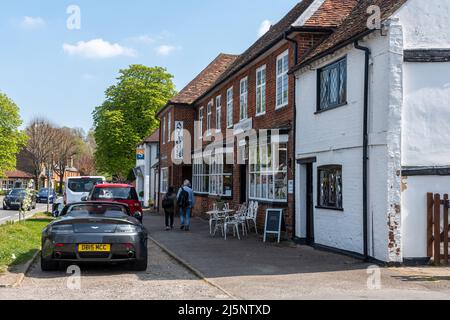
[(99, 232)]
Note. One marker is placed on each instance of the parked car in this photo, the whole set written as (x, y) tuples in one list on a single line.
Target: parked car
[(46, 195), (100, 232), (15, 198), (79, 187), (122, 193)]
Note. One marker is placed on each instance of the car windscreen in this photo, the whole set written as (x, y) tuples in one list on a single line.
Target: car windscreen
[(82, 185), (100, 210), (17, 192), (114, 193)]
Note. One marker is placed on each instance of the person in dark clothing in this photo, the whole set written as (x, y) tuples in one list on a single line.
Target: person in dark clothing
[(169, 202)]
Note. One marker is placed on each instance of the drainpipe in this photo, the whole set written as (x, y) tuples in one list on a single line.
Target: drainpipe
[(365, 148), (294, 165)]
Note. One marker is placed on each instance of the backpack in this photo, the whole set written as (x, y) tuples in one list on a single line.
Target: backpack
[(167, 203), (183, 199)]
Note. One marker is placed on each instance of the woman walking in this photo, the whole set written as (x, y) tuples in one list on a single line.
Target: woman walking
[(168, 204)]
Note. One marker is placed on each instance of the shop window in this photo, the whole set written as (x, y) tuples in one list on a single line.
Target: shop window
[(330, 187), (268, 179), (213, 177), (164, 180)]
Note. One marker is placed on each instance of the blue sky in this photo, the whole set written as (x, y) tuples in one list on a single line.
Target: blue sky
[(61, 74)]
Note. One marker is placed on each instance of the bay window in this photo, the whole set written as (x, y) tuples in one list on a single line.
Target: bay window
[(269, 170)]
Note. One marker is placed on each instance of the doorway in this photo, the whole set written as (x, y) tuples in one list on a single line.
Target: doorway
[(243, 182), (309, 204)]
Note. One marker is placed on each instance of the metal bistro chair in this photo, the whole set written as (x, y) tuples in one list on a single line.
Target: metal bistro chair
[(252, 215), (218, 217), (236, 221)]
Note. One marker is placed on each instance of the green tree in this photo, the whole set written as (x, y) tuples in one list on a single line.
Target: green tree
[(128, 115), (12, 140)]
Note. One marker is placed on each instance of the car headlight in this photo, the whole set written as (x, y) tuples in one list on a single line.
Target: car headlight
[(127, 229)]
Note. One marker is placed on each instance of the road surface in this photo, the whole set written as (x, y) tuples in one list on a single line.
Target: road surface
[(164, 279), (13, 215)]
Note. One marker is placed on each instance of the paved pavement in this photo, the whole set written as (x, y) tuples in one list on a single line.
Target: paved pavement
[(13, 215), (165, 279), (250, 269)]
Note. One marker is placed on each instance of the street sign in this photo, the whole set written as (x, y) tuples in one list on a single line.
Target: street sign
[(140, 154)]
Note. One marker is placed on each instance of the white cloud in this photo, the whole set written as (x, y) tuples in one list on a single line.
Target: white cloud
[(142, 39), (165, 50), (98, 49), (264, 27), (32, 22)]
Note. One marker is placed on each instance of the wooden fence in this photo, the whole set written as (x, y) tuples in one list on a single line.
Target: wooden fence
[(438, 228)]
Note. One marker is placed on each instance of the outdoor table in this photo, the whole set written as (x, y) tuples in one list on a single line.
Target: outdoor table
[(222, 214)]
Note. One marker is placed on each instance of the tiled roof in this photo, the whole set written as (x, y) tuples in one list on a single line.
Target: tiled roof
[(17, 174), (152, 138), (273, 35), (354, 25), (331, 13), (203, 81)]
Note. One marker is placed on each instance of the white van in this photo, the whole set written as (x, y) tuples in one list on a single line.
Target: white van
[(79, 187)]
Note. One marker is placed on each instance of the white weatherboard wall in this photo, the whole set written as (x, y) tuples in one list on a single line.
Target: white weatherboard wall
[(426, 116), (414, 211)]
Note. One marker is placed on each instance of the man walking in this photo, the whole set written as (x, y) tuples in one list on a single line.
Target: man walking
[(186, 201)]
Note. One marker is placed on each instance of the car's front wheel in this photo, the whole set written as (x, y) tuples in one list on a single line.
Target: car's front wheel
[(49, 265)]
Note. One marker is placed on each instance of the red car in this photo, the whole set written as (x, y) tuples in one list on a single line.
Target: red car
[(122, 193)]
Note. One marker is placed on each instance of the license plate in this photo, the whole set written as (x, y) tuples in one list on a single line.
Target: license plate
[(15, 203), (94, 248)]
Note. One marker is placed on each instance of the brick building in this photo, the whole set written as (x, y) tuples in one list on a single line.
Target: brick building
[(247, 114)]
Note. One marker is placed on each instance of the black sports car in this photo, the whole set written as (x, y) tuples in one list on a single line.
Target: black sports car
[(94, 232)]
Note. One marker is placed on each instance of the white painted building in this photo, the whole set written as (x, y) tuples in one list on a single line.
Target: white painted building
[(146, 171), (408, 136)]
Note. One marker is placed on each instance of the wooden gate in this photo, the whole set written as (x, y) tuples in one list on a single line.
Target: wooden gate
[(438, 228)]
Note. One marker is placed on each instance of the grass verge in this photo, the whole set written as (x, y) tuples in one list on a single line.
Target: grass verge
[(21, 240)]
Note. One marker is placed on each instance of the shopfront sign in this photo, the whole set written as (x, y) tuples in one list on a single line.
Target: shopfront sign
[(274, 221), (179, 140), (243, 126)]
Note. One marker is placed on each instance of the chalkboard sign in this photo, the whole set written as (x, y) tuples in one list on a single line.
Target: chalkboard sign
[(274, 219)]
